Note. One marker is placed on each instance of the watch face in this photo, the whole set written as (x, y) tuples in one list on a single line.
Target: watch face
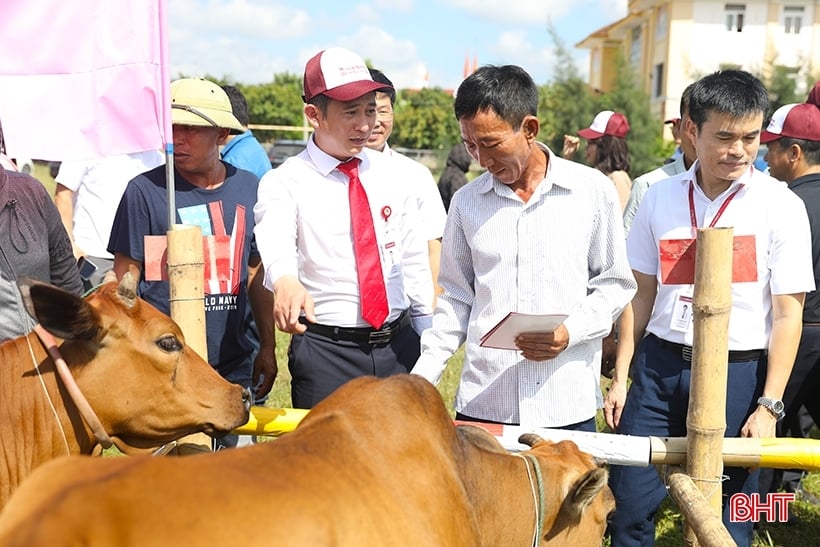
[(777, 406)]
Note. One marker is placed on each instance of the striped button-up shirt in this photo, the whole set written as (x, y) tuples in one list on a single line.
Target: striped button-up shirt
[(561, 252)]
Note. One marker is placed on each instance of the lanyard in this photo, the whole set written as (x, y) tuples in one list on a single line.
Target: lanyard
[(717, 215)]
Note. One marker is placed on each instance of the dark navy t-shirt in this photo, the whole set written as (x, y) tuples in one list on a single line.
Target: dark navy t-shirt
[(225, 216)]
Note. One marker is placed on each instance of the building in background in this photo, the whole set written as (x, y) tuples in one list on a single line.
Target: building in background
[(671, 43)]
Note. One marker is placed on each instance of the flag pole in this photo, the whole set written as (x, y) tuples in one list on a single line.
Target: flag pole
[(186, 265), (167, 129)]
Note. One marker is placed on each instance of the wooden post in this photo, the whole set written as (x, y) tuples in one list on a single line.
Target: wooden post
[(706, 419), (708, 528), (186, 277)]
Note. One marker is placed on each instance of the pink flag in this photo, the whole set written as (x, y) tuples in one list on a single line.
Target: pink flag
[(81, 80)]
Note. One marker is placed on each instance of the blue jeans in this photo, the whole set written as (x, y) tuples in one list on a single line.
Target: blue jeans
[(656, 405)]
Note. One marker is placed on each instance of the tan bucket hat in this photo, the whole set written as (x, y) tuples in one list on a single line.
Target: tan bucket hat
[(197, 101)]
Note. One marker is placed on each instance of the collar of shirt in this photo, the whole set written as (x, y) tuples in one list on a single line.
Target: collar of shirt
[(805, 180), (557, 175), (233, 142), (749, 176), (325, 163)]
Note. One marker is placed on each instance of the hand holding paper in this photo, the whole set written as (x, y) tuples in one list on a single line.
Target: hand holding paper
[(504, 334), (541, 346)]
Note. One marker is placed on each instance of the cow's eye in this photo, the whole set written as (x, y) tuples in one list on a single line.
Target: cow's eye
[(169, 343)]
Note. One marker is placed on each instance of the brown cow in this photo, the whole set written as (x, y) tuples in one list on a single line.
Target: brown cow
[(379, 462), (131, 363)]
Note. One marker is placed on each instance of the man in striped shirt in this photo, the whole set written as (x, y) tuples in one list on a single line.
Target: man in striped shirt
[(534, 234)]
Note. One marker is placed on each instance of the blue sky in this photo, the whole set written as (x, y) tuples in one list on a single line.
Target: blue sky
[(412, 41)]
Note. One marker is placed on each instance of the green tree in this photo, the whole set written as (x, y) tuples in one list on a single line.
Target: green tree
[(424, 119), (644, 138), (276, 103), (782, 87), (567, 103)]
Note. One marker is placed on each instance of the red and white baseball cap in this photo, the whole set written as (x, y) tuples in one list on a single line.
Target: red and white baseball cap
[(338, 73), (797, 121), (606, 122)]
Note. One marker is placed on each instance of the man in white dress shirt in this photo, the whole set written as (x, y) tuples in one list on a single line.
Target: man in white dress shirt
[(771, 272), (534, 234), (304, 234), (422, 184), (87, 194)]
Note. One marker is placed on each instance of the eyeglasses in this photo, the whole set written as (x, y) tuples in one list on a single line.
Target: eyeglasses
[(385, 115)]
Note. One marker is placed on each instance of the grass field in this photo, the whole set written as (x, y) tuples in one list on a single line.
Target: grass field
[(803, 533)]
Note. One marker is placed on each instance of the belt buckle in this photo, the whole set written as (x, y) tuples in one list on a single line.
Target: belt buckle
[(686, 353), (379, 337)]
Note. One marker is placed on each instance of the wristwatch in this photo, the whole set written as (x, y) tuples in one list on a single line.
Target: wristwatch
[(775, 406)]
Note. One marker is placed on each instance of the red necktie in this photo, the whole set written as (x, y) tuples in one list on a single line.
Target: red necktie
[(372, 293)]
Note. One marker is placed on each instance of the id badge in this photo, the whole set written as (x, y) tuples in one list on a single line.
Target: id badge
[(391, 258), (682, 313)]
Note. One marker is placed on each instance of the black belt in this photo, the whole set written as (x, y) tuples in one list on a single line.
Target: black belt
[(735, 356), (364, 335)]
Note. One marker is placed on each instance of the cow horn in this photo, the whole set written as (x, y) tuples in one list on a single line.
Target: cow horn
[(110, 276), (530, 439), (127, 289)]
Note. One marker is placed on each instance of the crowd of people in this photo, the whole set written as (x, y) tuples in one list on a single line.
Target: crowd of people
[(373, 268)]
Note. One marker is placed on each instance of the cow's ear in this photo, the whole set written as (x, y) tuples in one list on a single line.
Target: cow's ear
[(586, 489), (480, 437), (578, 498), (60, 312)]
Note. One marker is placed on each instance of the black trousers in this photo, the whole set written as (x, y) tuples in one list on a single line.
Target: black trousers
[(319, 365)]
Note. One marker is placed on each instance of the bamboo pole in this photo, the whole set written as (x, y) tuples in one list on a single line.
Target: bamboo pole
[(709, 531), (777, 453), (186, 278), (706, 418)]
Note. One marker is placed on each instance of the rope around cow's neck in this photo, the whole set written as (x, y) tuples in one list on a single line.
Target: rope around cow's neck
[(71, 386), (538, 499), (48, 397)]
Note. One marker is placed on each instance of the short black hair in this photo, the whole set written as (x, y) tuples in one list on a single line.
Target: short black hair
[(507, 90), (379, 77), (684, 100), (239, 104), (736, 93), (811, 149), (320, 101)]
